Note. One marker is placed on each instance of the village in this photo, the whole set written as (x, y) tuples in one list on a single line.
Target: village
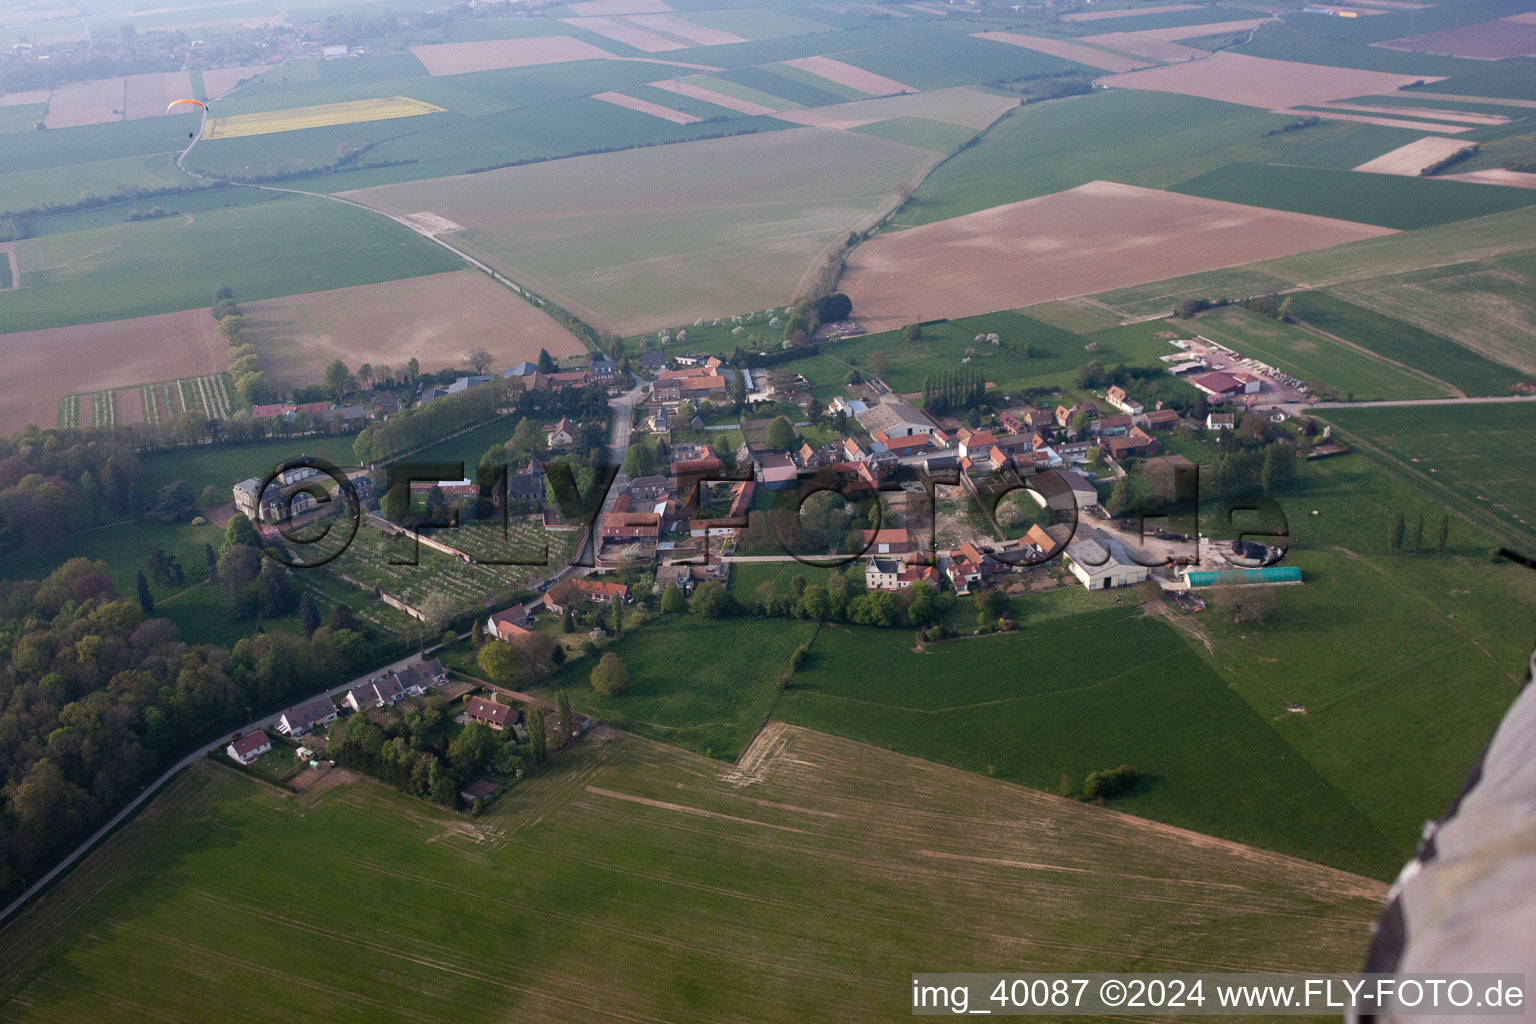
[(949, 494)]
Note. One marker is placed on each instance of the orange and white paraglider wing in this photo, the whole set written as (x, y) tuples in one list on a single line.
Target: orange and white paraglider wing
[(174, 103)]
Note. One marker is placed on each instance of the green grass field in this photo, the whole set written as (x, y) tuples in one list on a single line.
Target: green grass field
[(631, 880), (711, 705), (1058, 354), (1484, 305), (1391, 201), (1405, 343), (1101, 689), (1477, 452), (1139, 138), (21, 190), (683, 240), (1404, 665), (223, 466), (922, 132), (1308, 355), (133, 270)]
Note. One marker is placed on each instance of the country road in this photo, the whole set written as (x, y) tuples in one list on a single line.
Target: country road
[(485, 268), (1487, 400)]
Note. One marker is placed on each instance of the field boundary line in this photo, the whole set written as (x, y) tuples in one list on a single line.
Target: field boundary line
[(1452, 390), (1473, 516)]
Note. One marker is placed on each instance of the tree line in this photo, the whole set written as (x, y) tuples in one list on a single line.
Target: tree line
[(97, 697)]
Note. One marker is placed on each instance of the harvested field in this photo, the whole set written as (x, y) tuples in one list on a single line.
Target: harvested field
[(1459, 116), (1088, 239), (1385, 122), (719, 99), (1261, 82), (1497, 101), (1128, 12), (1067, 50), (597, 8), (618, 99), (703, 228), (81, 103), (268, 122), (1492, 40), (629, 35), (29, 98), (496, 54), (148, 95), (218, 81), (1143, 45), (44, 366), (529, 911), (1213, 28), (435, 319), (858, 79), (963, 105), (1414, 157), (682, 28), (1495, 176)]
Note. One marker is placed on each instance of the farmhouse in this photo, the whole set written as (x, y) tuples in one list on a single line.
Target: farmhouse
[(249, 747), (569, 379), (976, 444), (301, 718), (1113, 426), (1066, 413), (1220, 421), (567, 593), (1099, 564), (507, 624), (1023, 418), (1124, 402), (604, 372), (497, 716), (1133, 445), (559, 435), (776, 472)]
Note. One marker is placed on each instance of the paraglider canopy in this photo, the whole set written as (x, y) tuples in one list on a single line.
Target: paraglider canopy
[(195, 103)]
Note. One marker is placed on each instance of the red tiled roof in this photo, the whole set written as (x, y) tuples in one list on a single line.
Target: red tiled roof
[(250, 743)]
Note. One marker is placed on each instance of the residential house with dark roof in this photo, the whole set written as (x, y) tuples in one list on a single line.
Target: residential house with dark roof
[(302, 718)]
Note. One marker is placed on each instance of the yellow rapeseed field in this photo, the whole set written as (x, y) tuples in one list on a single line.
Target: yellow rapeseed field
[(352, 112)]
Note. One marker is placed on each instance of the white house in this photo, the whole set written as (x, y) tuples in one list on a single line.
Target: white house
[(249, 747), (882, 574), (561, 434), (1220, 421), (1125, 403)]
